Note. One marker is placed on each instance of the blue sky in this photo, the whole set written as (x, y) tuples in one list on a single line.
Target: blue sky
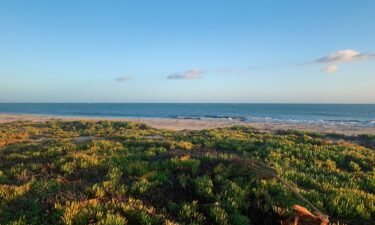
[(187, 51)]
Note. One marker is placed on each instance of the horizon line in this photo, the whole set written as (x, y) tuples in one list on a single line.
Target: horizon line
[(281, 103)]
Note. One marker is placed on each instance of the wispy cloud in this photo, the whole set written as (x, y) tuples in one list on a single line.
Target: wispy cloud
[(345, 56), (226, 70), (235, 71), (340, 57), (123, 78), (187, 75), (330, 69)]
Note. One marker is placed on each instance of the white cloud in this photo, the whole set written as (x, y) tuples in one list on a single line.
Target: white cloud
[(330, 69), (345, 56), (123, 78), (187, 75)]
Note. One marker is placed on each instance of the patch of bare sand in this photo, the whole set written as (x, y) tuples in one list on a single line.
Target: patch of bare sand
[(193, 124)]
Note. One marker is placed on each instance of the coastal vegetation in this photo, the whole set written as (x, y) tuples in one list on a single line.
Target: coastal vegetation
[(107, 172)]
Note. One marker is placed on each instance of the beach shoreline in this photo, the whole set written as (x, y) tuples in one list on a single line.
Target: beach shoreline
[(196, 124)]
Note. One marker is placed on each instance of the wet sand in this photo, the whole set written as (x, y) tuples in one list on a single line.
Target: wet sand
[(194, 124)]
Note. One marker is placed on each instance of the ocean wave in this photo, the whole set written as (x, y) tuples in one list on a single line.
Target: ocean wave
[(318, 121), (214, 117), (347, 122)]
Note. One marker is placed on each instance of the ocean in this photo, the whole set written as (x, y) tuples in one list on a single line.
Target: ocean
[(342, 114)]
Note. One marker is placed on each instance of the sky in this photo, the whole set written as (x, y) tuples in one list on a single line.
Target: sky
[(187, 51)]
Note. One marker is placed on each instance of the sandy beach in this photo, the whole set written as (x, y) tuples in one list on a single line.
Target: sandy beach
[(195, 124)]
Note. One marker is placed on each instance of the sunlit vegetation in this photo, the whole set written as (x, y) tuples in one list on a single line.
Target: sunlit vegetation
[(127, 173)]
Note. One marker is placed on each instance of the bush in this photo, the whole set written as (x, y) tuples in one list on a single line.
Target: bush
[(113, 219), (184, 145), (189, 213), (232, 196), (238, 219), (218, 215), (141, 186), (203, 186)]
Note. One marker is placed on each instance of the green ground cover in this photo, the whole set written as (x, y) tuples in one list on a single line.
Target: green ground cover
[(127, 173)]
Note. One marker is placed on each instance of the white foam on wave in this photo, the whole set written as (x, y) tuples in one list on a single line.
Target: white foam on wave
[(319, 121)]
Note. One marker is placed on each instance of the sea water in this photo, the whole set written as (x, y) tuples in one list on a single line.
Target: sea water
[(343, 114)]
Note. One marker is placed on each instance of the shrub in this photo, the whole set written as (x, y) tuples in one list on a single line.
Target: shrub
[(354, 167), (232, 196), (203, 186), (189, 213), (114, 176), (330, 165), (184, 180), (184, 145), (3, 178), (218, 215), (190, 165), (112, 219), (141, 186), (238, 219), (20, 221), (68, 167)]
